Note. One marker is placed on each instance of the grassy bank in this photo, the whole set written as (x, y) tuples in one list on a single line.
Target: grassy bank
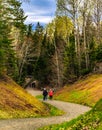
[(15, 102), (86, 91)]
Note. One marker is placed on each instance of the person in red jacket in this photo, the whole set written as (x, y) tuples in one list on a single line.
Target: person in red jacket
[(50, 94)]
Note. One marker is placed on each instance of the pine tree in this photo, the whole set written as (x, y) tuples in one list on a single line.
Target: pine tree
[(10, 15)]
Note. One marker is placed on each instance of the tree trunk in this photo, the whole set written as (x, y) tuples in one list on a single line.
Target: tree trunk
[(57, 65)]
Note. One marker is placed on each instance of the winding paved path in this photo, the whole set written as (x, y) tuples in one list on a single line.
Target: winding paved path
[(72, 111)]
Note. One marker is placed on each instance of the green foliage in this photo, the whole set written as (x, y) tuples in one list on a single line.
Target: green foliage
[(11, 13), (98, 106), (4, 45), (70, 62), (42, 70), (85, 71), (92, 52), (63, 27), (2, 60), (37, 58), (99, 53)]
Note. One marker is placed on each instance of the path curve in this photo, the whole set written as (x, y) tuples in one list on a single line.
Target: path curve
[(72, 111)]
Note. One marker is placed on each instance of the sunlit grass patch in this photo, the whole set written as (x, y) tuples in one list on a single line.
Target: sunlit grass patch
[(4, 115), (49, 111), (86, 91), (39, 96), (55, 111), (16, 114)]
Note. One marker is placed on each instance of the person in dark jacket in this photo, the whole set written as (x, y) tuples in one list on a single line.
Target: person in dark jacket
[(45, 93)]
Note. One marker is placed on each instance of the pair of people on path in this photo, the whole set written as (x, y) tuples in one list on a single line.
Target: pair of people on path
[(46, 93)]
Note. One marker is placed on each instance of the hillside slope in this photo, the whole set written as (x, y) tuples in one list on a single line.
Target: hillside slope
[(15, 102), (86, 91)]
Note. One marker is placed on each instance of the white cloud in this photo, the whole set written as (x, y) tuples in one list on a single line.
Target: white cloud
[(41, 19), (39, 13)]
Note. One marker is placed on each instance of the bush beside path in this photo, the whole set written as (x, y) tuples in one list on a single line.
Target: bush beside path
[(71, 111)]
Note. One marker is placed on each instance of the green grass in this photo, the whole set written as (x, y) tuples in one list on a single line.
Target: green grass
[(86, 91), (50, 110), (54, 111), (39, 96)]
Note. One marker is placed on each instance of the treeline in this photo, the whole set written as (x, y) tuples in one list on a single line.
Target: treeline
[(11, 17), (67, 48)]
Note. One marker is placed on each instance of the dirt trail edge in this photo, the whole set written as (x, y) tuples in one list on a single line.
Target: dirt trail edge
[(72, 111)]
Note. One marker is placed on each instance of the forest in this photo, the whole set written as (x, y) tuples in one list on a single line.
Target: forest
[(64, 50)]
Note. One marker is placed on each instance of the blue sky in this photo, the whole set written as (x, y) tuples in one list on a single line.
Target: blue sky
[(42, 11)]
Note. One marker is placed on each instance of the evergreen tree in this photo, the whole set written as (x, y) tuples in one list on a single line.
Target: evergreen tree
[(10, 15)]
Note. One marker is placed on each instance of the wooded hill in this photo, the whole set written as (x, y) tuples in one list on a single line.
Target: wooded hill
[(67, 48)]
